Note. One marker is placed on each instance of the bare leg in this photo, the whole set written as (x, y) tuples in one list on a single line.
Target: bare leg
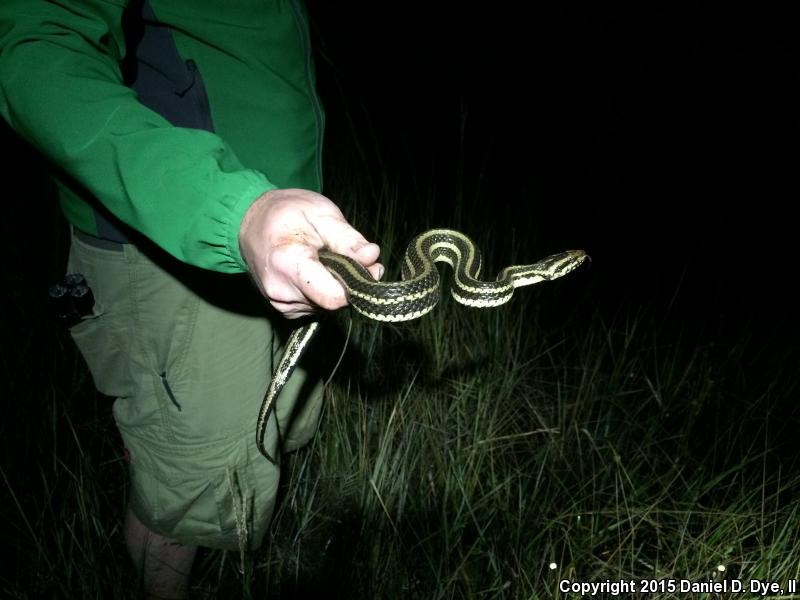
[(163, 563)]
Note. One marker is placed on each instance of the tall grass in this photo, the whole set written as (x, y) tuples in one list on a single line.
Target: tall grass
[(470, 454)]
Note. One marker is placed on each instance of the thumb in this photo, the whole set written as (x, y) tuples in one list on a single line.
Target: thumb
[(341, 237)]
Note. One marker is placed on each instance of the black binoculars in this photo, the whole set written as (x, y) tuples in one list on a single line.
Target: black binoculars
[(71, 299)]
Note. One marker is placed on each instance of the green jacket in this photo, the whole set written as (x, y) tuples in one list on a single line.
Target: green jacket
[(177, 151)]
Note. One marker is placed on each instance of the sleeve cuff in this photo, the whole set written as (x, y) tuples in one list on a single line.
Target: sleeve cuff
[(244, 200)]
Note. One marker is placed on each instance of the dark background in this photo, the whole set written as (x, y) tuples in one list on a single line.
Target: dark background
[(660, 139)]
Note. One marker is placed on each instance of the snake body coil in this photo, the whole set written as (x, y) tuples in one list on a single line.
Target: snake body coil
[(416, 294)]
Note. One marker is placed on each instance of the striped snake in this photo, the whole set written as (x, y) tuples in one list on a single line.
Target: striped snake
[(415, 295)]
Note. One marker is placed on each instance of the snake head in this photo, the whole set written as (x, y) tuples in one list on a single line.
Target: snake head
[(558, 265)]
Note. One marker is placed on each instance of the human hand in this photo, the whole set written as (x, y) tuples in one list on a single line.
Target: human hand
[(279, 239)]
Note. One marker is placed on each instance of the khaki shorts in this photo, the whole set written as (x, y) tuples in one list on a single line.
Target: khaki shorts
[(188, 354)]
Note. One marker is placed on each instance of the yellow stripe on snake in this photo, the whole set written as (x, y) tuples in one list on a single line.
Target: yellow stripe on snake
[(416, 294)]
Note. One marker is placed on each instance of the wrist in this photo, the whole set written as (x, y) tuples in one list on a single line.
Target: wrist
[(244, 217)]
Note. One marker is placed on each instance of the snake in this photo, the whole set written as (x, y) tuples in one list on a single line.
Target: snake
[(415, 295)]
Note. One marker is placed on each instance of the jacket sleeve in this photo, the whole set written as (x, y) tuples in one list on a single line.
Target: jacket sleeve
[(61, 89)]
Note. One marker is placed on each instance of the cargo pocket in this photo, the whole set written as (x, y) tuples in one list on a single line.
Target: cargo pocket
[(98, 335)]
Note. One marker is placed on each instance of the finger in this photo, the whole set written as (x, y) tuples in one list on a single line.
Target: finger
[(376, 271), (341, 237), (317, 284), (293, 310), (368, 254)]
